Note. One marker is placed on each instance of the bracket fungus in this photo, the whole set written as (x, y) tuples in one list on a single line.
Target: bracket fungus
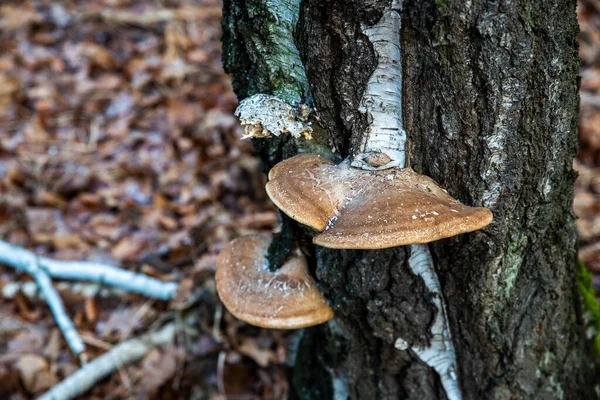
[(358, 209), (285, 299), (372, 201)]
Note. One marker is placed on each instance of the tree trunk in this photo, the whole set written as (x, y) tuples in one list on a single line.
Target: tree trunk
[(490, 109)]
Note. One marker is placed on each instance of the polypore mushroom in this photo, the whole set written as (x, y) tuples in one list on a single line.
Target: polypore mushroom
[(285, 299), (372, 201), (358, 209)]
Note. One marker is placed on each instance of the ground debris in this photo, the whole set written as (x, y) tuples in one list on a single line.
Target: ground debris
[(118, 144), (587, 188)]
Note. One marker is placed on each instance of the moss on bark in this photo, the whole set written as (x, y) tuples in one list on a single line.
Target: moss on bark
[(591, 308)]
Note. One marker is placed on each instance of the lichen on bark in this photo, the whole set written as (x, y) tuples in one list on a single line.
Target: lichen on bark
[(266, 29)]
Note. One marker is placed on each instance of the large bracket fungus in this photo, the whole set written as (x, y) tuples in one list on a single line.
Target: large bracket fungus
[(357, 209), (285, 299)]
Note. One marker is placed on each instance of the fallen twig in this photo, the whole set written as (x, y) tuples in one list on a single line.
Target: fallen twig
[(122, 354), (83, 290), (42, 269), (32, 267), (18, 257)]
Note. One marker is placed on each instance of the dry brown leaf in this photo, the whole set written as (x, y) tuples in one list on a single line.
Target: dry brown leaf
[(158, 368), (26, 312), (90, 309), (9, 381), (262, 356), (119, 325), (52, 350), (207, 262), (9, 87), (31, 341), (131, 247), (35, 373), (13, 18)]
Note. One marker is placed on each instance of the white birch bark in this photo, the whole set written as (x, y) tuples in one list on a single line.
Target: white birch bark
[(440, 354), (383, 144)]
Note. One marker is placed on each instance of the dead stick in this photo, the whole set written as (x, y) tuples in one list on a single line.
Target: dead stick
[(87, 376), (18, 258)]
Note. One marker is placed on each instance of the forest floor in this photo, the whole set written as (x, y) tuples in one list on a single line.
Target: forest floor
[(118, 144), (587, 189)]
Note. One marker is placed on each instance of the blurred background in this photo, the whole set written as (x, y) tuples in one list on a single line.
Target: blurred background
[(118, 144)]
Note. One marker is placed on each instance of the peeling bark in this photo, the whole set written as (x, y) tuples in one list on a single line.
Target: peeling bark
[(490, 106), (383, 145), (439, 354)]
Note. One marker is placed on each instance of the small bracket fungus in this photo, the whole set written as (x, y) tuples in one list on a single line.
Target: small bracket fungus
[(357, 209), (263, 115), (285, 299)]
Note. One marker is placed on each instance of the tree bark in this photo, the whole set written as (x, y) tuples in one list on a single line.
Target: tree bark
[(490, 109)]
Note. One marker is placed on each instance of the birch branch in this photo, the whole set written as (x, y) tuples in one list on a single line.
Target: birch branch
[(127, 352), (85, 290), (440, 354), (382, 146), (32, 267), (18, 258), (42, 269)]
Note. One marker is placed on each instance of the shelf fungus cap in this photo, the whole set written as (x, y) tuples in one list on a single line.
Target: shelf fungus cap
[(358, 209), (285, 299)]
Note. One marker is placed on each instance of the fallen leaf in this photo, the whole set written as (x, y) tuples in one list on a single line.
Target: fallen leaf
[(120, 323), (158, 368), (262, 356), (35, 373)]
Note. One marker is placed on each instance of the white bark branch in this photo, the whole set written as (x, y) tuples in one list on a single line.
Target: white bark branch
[(440, 354), (32, 267), (18, 258), (383, 144), (87, 376), (42, 269), (85, 290)]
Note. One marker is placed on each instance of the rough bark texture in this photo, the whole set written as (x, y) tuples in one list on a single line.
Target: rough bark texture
[(490, 110)]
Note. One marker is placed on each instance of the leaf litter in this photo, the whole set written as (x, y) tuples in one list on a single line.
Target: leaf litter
[(118, 144), (587, 163)]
